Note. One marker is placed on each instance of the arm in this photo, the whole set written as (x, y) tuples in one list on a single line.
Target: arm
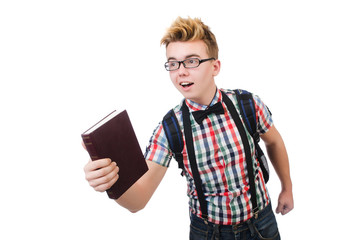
[(102, 174), (279, 158), (136, 198)]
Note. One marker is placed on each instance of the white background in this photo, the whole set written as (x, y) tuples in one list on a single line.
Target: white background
[(66, 64)]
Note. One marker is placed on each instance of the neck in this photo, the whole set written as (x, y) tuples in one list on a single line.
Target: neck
[(207, 98)]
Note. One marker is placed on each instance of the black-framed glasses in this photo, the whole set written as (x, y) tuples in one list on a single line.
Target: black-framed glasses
[(188, 63)]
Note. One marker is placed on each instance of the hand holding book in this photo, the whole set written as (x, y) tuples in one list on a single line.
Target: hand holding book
[(113, 139), (101, 174)]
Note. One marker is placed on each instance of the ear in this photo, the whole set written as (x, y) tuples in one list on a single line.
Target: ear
[(216, 67)]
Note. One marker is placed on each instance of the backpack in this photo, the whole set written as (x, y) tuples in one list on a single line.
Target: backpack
[(246, 105)]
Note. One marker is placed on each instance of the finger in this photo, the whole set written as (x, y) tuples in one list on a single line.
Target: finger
[(283, 209), (97, 164), (101, 172), (279, 208), (108, 178), (105, 186), (287, 208)]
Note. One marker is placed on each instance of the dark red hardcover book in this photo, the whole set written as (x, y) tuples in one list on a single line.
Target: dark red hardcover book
[(114, 137)]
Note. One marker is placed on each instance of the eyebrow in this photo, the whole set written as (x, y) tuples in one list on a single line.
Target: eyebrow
[(188, 56)]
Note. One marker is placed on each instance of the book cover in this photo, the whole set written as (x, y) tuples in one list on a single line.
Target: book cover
[(114, 137)]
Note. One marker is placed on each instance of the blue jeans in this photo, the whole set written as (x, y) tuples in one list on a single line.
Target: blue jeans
[(264, 227)]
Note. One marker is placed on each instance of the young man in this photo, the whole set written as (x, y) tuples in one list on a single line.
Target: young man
[(192, 61)]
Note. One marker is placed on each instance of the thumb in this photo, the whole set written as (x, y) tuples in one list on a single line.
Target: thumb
[(84, 145), (283, 208), (280, 208)]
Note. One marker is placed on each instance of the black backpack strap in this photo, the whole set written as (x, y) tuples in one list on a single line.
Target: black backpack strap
[(247, 149), (191, 153), (174, 137), (247, 108)]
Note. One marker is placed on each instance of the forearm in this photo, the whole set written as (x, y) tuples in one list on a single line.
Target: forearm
[(136, 197), (279, 158)]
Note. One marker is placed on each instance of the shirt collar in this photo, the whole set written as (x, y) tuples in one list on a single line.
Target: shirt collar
[(193, 106)]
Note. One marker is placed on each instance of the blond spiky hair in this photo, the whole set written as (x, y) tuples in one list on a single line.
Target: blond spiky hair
[(191, 29)]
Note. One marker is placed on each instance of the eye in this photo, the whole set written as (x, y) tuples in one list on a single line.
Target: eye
[(172, 64), (192, 62)]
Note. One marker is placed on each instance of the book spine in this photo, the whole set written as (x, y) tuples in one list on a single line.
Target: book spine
[(90, 147)]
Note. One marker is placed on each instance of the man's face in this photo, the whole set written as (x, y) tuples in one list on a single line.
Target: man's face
[(196, 84)]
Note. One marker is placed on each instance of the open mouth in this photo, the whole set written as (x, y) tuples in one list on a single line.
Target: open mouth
[(186, 84)]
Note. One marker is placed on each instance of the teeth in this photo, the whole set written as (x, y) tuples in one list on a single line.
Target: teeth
[(185, 84)]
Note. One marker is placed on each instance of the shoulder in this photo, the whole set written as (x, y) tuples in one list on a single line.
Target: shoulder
[(235, 94), (242, 96), (176, 110), (229, 92), (242, 92)]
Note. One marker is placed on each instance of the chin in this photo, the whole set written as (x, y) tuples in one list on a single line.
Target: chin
[(187, 95)]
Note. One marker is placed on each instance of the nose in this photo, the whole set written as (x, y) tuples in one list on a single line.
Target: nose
[(182, 70)]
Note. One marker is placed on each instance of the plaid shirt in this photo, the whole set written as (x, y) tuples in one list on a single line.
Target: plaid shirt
[(221, 162)]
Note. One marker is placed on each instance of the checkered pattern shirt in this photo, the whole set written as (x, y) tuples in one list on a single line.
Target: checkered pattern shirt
[(220, 160)]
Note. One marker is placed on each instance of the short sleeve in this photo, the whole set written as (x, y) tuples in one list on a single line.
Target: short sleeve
[(158, 150), (264, 116)]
